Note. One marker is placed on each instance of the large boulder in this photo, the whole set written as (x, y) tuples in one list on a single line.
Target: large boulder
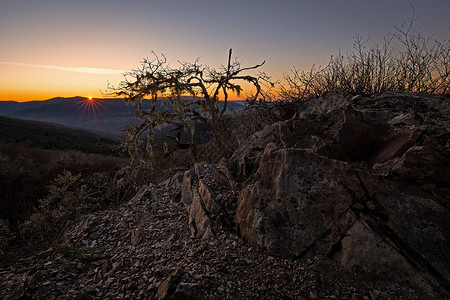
[(363, 180), (294, 199)]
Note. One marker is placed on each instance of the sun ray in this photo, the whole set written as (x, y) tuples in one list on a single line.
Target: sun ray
[(90, 106)]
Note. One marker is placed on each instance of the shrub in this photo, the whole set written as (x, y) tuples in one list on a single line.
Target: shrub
[(70, 195), (404, 61), (67, 195), (72, 251)]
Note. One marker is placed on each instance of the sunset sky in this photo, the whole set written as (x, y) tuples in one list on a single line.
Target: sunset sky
[(51, 48)]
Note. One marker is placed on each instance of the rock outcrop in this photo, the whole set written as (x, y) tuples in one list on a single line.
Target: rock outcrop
[(362, 180)]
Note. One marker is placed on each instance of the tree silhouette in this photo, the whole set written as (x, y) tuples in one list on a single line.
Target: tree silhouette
[(181, 96)]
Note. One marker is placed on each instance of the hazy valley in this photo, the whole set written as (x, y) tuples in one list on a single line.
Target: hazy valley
[(106, 116)]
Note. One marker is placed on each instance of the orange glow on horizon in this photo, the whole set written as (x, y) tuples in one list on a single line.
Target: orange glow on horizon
[(43, 96), (23, 84), (24, 96)]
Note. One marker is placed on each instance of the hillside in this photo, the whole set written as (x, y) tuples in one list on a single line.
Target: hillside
[(53, 136), (338, 197), (33, 154), (107, 116)]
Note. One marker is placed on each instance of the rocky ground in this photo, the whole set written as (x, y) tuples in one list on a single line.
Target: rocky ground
[(345, 198), (144, 250)]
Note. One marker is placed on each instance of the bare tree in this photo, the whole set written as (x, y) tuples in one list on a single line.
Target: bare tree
[(181, 96)]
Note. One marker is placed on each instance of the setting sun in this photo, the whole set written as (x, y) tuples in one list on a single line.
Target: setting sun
[(90, 105)]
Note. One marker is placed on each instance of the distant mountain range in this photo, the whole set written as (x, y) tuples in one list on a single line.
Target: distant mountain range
[(105, 116)]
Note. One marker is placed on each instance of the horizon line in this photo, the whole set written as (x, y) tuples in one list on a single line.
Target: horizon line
[(99, 98)]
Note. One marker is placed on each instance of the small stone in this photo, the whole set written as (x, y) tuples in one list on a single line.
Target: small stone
[(358, 206), (135, 237), (19, 293), (88, 290), (370, 205), (164, 288), (106, 266), (109, 281), (357, 98), (132, 286), (31, 280), (46, 252)]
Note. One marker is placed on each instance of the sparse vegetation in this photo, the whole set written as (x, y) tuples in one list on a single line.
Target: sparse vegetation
[(72, 251), (38, 190), (405, 61), (67, 195), (26, 173)]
